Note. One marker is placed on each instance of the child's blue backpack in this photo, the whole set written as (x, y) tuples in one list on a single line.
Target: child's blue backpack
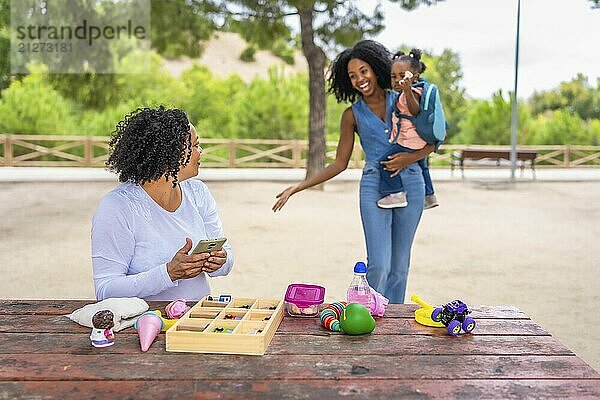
[(431, 121)]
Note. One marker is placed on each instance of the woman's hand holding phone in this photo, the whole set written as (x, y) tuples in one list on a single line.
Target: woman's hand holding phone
[(186, 266), (214, 247), (215, 261)]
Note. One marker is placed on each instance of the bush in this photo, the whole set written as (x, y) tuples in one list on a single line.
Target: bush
[(594, 127), (489, 122), (282, 50), (103, 123), (148, 84), (248, 54), (4, 58), (33, 106), (560, 127), (210, 100), (280, 113)]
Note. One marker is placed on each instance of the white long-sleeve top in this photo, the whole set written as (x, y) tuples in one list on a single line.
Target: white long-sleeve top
[(133, 238)]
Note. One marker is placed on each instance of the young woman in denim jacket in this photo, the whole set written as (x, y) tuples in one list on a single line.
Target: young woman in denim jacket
[(361, 75)]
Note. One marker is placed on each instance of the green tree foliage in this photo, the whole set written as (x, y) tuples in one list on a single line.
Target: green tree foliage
[(88, 89), (488, 121), (594, 128), (564, 127), (209, 101), (146, 83), (577, 96), (284, 49), (568, 114), (248, 54), (100, 101), (33, 106), (150, 84), (220, 108), (256, 27), (228, 108), (103, 122), (179, 27), (4, 44), (281, 112)]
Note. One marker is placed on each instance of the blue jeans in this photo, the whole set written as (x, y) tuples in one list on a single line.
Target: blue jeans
[(394, 185), (389, 233)]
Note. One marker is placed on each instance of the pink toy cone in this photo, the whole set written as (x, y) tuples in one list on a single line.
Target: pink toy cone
[(148, 326)]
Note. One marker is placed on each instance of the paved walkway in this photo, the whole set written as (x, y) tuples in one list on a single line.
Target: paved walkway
[(51, 174)]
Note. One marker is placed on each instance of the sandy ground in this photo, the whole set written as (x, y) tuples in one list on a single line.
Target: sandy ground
[(534, 246)]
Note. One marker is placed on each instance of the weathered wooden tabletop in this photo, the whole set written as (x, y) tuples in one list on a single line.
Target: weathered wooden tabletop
[(45, 355)]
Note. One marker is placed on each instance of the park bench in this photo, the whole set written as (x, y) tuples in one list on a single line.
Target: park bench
[(473, 157)]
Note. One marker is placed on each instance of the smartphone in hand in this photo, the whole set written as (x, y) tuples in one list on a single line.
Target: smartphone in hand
[(208, 245)]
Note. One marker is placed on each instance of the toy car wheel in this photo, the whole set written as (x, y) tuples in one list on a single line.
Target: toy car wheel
[(436, 314), (468, 325), (454, 327)]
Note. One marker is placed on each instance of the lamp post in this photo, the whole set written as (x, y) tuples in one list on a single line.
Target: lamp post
[(514, 122)]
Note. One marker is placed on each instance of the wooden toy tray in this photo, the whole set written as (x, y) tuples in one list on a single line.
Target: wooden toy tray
[(240, 326)]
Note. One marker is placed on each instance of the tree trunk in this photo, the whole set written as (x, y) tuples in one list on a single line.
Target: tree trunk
[(315, 57)]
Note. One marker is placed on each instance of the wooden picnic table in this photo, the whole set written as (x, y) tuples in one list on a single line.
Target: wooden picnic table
[(46, 355)]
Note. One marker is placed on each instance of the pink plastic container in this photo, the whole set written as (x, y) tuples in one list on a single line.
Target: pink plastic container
[(303, 300)]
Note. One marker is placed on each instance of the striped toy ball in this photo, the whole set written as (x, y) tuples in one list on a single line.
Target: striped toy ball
[(330, 316)]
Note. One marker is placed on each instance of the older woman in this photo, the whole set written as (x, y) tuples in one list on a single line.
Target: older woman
[(143, 231)]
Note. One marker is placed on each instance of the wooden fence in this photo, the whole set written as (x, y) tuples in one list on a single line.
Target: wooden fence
[(92, 151)]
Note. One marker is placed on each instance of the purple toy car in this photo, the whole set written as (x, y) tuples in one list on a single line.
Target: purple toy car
[(454, 316)]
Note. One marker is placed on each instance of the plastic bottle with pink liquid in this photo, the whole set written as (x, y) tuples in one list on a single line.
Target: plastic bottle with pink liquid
[(359, 290)]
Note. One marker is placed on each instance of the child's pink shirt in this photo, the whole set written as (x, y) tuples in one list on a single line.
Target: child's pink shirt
[(408, 131)]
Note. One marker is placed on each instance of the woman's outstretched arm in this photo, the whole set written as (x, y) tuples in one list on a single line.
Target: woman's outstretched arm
[(342, 157)]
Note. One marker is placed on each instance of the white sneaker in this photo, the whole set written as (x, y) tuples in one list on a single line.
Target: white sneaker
[(430, 202), (394, 200)]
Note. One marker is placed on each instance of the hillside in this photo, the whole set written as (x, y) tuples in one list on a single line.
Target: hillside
[(222, 56)]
